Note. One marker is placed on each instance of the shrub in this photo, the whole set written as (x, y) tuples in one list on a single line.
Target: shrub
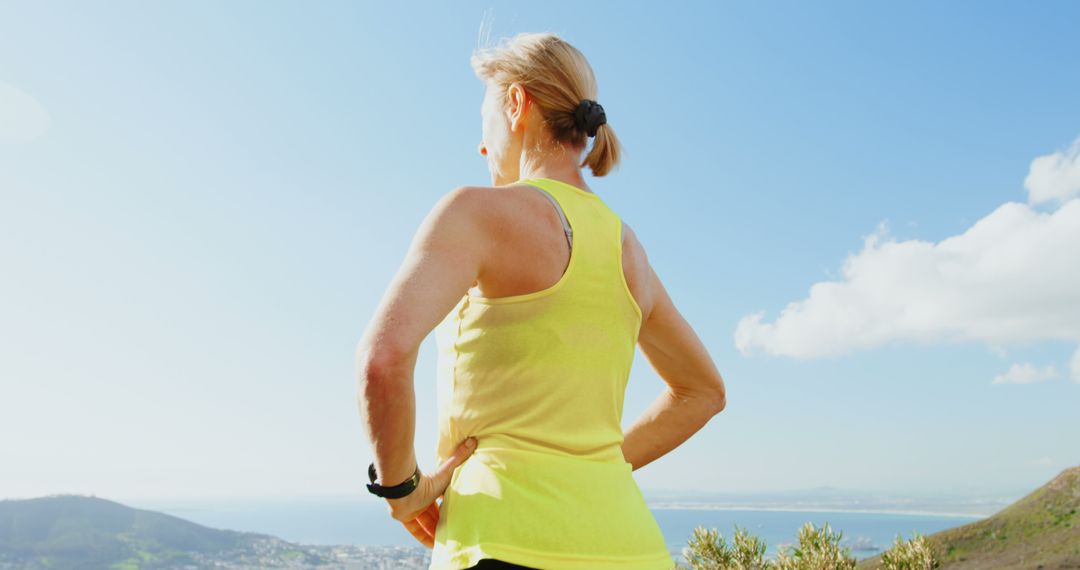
[(708, 550), (819, 549), (914, 554)]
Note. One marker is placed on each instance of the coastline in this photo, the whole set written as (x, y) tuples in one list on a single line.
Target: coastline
[(691, 507)]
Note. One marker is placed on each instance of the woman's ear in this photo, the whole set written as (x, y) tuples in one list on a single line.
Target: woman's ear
[(518, 104)]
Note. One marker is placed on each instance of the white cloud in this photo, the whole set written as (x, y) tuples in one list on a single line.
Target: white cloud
[(1054, 176), (22, 118), (1013, 276), (1025, 373)]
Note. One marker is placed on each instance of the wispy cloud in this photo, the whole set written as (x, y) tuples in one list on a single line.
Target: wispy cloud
[(1011, 277), (1025, 373), (22, 118)]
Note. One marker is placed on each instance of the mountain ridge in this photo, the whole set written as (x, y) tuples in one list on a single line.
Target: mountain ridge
[(1039, 530), (82, 531)]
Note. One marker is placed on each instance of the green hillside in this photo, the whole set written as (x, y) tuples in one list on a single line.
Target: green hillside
[(1040, 530), (72, 531)]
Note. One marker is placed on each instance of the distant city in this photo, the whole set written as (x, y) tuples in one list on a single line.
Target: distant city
[(275, 553)]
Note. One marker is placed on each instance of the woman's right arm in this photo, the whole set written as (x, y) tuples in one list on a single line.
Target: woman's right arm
[(695, 390)]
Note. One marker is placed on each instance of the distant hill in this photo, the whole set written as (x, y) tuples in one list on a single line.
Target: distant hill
[(74, 531), (1040, 530)]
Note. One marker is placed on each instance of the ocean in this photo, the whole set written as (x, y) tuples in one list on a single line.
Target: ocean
[(364, 522)]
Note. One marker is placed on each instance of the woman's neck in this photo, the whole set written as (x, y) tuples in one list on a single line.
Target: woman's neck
[(562, 170)]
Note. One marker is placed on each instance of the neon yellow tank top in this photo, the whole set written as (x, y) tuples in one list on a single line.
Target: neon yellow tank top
[(539, 380)]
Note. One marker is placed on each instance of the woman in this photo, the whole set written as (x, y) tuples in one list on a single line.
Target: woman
[(538, 294)]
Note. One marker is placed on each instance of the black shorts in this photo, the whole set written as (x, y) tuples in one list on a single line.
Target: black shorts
[(491, 563)]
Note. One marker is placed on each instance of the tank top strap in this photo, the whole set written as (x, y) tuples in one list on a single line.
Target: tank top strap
[(595, 252), (562, 216)]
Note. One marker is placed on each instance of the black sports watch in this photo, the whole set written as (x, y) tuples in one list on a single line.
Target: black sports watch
[(397, 491)]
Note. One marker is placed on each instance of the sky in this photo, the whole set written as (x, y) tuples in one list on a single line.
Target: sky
[(869, 212)]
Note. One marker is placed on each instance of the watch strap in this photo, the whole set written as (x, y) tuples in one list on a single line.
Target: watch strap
[(397, 491)]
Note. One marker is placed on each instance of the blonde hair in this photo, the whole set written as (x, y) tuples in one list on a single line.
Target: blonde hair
[(557, 77)]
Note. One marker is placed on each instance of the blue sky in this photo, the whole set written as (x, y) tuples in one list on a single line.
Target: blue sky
[(866, 210)]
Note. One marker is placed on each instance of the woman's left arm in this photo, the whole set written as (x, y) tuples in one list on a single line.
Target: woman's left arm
[(444, 259)]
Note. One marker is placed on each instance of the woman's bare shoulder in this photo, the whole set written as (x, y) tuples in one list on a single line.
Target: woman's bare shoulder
[(497, 204), (493, 212), (482, 195), (468, 201)]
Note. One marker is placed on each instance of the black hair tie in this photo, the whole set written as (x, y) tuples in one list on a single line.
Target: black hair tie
[(589, 115)]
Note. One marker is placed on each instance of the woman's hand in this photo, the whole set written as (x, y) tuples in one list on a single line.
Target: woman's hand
[(418, 510)]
